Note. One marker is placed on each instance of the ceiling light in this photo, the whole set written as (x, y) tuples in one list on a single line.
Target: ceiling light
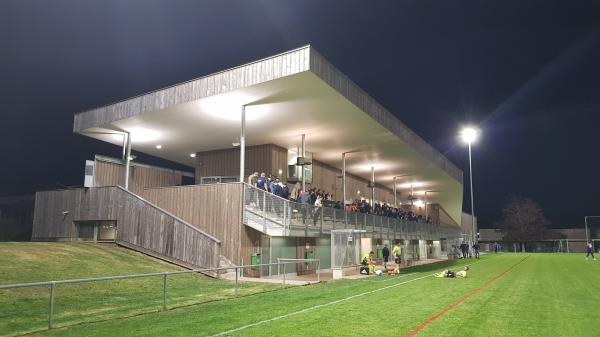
[(193, 155), (159, 147)]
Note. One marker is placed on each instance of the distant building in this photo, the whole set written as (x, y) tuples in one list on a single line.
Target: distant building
[(567, 239), (16, 217)]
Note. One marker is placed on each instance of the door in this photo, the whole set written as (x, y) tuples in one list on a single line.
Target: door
[(306, 249)]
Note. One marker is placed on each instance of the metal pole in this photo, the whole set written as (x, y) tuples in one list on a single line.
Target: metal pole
[(236, 281), (319, 270), (426, 205), (165, 291), (344, 188), (127, 160), (51, 308), (472, 202), (587, 237), (395, 197), (412, 194), (283, 284), (303, 164), (242, 143), (372, 186), (124, 146)]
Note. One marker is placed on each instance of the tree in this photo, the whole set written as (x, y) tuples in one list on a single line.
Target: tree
[(523, 220)]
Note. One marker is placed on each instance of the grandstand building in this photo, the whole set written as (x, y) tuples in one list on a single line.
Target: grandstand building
[(292, 115)]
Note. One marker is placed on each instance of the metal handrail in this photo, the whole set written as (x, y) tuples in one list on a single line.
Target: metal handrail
[(360, 219)]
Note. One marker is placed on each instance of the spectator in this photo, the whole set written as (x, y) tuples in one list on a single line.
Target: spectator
[(261, 182), (386, 255), (476, 250), (252, 179), (295, 196)]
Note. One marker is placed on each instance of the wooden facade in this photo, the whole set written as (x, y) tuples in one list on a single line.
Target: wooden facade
[(304, 59), (110, 172), (215, 209), (140, 225), (267, 158), (270, 159)]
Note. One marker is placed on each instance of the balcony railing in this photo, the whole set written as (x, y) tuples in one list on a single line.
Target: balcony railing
[(280, 217)]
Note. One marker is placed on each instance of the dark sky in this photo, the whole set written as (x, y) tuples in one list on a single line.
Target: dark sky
[(527, 71)]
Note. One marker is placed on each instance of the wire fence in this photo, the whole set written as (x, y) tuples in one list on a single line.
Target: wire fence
[(29, 307)]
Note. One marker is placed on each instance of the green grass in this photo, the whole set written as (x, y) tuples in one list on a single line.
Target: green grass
[(26, 309), (531, 295)]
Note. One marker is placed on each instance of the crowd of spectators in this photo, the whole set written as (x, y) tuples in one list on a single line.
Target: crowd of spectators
[(319, 198), (363, 206)]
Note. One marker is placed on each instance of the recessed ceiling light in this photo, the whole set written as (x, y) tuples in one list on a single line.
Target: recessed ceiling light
[(193, 155), (159, 147)]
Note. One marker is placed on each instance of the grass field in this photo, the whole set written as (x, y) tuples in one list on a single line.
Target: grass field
[(24, 310), (504, 295)]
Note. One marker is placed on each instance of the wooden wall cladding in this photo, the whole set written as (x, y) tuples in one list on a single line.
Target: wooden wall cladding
[(267, 158), (140, 225), (113, 174), (215, 209)]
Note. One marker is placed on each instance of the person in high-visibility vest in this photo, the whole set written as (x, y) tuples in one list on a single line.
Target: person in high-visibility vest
[(397, 253), (367, 260)]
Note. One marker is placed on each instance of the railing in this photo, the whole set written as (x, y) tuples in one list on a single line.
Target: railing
[(269, 209), (28, 299)]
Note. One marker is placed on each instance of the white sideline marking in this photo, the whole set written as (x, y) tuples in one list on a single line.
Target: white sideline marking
[(329, 303)]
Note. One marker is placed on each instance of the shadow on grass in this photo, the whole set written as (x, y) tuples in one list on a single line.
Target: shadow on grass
[(440, 265)]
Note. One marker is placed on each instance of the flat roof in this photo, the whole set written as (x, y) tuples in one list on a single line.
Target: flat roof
[(286, 95)]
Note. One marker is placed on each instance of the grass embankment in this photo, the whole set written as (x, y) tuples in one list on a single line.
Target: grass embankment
[(26, 309), (504, 295)]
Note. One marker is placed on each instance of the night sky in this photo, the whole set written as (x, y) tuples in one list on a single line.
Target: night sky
[(528, 72)]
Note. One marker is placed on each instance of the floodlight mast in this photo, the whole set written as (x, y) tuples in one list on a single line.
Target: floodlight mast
[(470, 135)]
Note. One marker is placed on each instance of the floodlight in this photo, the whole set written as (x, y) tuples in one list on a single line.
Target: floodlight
[(469, 134)]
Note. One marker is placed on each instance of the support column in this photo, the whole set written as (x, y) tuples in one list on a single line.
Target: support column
[(242, 144), (395, 197), (303, 164), (425, 205), (372, 186), (344, 179), (127, 160), (344, 189)]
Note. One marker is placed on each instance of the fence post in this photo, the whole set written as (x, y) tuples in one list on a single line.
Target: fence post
[(236, 281), (320, 209), (264, 212), (283, 284), (51, 307), (319, 270), (165, 291), (284, 216)]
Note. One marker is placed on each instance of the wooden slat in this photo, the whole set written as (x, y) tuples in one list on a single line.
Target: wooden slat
[(140, 225), (113, 174), (215, 209)]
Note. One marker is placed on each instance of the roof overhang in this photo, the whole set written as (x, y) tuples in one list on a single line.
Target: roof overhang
[(287, 95)]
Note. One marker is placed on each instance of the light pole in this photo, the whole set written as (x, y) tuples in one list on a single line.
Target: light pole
[(468, 136)]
